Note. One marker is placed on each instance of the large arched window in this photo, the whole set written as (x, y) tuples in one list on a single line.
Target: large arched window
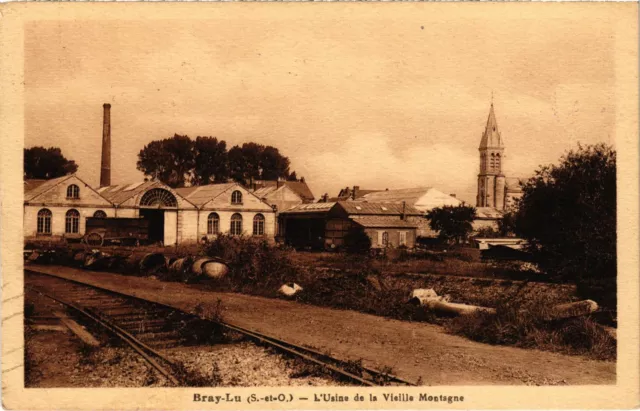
[(158, 197), (236, 197), (73, 191), (44, 221), (100, 214), (236, 224), (258, 224), (213, 224), (72, 222)]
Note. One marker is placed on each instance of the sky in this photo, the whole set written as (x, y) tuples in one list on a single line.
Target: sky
[(373, 101)]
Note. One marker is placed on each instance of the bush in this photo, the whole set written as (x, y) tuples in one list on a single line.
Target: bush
[(357, 241), (252, 262), (529, 324)]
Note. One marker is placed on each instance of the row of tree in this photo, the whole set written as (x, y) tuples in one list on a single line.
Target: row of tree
[(180, 161)]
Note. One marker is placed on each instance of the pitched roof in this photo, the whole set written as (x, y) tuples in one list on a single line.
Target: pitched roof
[(410, 195), (264, 191), (120, 193), (489, 213), (491, 138), (383, 222), (299, 187), (370, 208), (310, 208), (33, 188), (200, 195), (347, 193)]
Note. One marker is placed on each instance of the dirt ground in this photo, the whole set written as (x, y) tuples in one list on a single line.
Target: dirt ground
[(415, 351)]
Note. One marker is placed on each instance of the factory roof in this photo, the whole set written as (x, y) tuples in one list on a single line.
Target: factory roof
[(200, 195), (383, 222), (299, 187), (370, 208), (310, 208), (120, 193)]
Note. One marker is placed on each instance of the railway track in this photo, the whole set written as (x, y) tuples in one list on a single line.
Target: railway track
[(149, 327)]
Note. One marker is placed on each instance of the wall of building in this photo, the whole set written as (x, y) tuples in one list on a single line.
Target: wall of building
[(375, 234), (247, 222), (58, 216), (485, 223)]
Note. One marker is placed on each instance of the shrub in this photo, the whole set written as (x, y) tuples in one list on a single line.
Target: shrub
[(357, 241), (529, 324), (252, 262)]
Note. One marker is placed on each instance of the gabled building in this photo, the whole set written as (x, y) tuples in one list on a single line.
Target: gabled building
[(230, 209), (299, 187), (325, 225), (421, 198), (58, 208)]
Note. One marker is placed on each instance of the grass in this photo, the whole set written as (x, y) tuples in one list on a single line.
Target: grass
[(529, 324)]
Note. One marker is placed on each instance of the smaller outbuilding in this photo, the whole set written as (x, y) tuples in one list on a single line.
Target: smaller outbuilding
[(326, 225)]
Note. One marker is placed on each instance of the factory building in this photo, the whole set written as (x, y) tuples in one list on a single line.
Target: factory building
[(57, 209)]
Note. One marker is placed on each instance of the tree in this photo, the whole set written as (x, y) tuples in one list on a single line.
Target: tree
[(292, 177), (47, 163), (254, 161), (507, 224), (568, 215), (211, 161), (356, 241), (452, 223), (170, 160)]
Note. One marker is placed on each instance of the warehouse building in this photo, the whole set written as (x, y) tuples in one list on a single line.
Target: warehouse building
[(325, 225)]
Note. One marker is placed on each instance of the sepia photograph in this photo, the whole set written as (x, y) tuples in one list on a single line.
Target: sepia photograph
[(322, 198)]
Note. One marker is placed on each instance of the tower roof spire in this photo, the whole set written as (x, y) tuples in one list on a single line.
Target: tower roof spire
[(491, 137)]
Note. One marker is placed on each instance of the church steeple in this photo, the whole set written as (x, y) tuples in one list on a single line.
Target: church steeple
[(491, 180), (491, 137)]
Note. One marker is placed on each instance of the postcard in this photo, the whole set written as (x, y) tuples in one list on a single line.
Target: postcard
[(319, 205)]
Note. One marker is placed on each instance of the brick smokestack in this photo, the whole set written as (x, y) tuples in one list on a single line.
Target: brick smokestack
[(105, 169)]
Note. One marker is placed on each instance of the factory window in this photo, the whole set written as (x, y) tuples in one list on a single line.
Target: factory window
[(44, 221), (73, 191), (158, 197), (258, 224), (72, 222), (100, 214), (213, 224), (236, 197), (236, 224)]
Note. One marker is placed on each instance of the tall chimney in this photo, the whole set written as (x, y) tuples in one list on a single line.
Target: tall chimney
[(105, 170)]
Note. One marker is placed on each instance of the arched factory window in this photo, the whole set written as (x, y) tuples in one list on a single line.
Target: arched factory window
[(213, 224), (100, 214), (258, 224), (236, 197), (158, 197), (44, 221), (236, 224), (73, 191), (72, 222)]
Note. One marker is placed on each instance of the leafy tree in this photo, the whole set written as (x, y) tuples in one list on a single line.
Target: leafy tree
[(179, 161), (211, 161), (507, 224), (170, 160), (47, 163), (568, 215), (356, 241), (452, 223), (254, 161)]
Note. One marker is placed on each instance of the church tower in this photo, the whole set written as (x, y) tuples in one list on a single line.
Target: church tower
[(491, 180)]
